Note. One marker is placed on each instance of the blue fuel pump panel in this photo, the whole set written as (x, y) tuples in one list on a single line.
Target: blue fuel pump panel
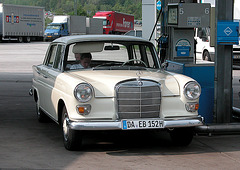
[(227, 33), (183, 48)]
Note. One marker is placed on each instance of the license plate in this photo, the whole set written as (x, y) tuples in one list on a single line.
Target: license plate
[(141, 124)]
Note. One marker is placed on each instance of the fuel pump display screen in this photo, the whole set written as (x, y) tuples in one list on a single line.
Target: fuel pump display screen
[(189, 15), (173, 15)]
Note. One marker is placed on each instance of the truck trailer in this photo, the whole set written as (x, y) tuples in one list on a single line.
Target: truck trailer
[(21, 23), (115, 22)]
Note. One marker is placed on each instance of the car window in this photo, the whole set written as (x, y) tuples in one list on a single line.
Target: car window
[(144, 53), (139, 33), (114, 54), (57, 61), (51, 55), (120, 55)]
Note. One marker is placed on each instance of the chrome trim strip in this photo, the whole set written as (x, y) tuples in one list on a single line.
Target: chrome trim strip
[(117, 125), (171, 95)]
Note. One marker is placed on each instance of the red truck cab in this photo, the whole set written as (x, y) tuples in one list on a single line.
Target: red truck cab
[(115, 22)]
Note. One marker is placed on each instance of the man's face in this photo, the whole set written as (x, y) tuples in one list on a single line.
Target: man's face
[(85, 62)]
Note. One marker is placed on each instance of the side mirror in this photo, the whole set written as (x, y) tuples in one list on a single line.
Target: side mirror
[(164, 65)]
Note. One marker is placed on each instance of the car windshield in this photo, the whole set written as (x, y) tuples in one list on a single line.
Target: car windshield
[(53, 27), (111, 55), (105, 22)]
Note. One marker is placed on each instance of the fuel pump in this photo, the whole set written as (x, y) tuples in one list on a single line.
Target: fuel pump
[(176, 46), (182, 18)]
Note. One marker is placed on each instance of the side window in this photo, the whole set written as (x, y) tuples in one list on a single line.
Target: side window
[(57, 61), (203, 34), (51, 56)]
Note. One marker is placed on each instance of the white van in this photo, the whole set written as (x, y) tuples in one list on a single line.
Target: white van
[(202, 36)]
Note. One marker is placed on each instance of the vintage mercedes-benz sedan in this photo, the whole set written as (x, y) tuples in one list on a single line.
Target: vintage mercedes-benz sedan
[(113, 82)]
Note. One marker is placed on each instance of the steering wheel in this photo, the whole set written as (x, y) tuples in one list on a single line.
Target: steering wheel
[(140, 61)]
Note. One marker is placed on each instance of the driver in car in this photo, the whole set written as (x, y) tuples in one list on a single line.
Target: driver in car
[(83, 60)]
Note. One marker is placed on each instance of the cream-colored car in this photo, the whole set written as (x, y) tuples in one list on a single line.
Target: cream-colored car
[(124, 88)]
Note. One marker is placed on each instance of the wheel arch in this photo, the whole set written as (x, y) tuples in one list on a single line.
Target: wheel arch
[(35, 95), (61, 104), (203, 54), (204, 50)]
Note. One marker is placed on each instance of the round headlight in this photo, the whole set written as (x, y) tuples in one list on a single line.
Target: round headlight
[(83, 92), (192, 90)]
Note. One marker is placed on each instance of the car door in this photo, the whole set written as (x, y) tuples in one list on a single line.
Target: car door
[(64, 29), (49, 71)]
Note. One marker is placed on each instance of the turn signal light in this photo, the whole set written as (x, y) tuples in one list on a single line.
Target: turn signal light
[(81, 109), (84, 109), (192, 107)]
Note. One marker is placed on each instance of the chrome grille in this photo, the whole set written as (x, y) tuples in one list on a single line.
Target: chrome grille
[(138, 99)]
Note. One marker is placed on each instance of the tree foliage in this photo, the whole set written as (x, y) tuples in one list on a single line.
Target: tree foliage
[(84, 7)]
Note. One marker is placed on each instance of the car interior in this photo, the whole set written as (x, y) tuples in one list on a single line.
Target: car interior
[(114, 55)]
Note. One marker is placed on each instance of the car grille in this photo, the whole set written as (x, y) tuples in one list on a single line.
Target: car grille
[(138, 99)]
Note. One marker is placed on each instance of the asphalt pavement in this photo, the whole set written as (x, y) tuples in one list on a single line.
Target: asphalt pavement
[(27, 144)]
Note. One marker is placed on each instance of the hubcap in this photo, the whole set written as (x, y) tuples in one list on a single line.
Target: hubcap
[(20, 39), (28, 39)]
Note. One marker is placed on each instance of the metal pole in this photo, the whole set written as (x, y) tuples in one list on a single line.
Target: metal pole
[(149, 17), (223, 68), (155, 24)]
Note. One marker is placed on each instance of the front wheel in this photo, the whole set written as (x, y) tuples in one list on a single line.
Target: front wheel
[(72, 139), (206, 56), (181, 136)]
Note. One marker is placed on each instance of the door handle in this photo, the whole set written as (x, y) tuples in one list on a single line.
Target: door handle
[(44, 76)]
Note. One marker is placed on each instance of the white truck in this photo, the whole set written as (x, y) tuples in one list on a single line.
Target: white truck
[(21, 23)]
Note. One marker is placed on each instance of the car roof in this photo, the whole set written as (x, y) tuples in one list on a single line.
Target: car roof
[(85, 38)]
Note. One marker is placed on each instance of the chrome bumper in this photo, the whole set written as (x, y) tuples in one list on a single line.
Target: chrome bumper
[(117, 125)]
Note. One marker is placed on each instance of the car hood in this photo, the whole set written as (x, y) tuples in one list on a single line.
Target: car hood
[(104, 81)]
